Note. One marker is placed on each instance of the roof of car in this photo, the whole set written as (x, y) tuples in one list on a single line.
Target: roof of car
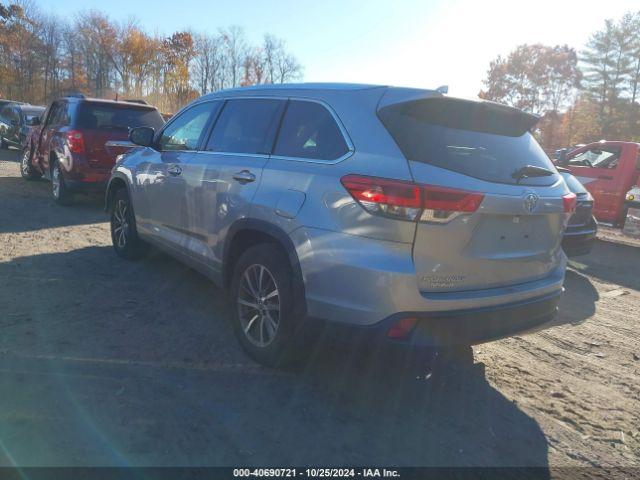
[(276, 87), (305, 86), (31, 108), (82, 98)]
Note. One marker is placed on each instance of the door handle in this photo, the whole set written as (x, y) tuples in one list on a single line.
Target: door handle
[(174, 170), (245, 176)]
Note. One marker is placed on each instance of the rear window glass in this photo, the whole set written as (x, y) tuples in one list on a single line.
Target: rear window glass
[(309, 131), (467, 142), (117, 117), (246, 126)]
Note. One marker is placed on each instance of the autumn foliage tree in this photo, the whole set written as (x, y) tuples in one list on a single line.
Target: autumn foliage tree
[(43, 57), (535, 78), (581, 97)]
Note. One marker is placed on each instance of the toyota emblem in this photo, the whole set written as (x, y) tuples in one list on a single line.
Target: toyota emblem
[(531, 201)]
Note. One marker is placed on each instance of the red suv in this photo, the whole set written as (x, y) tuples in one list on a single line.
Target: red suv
[(77, 143)]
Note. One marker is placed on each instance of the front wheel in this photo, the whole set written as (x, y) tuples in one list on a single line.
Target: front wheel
[(124, 234), (59, 189), (266, 323), (26, 169)]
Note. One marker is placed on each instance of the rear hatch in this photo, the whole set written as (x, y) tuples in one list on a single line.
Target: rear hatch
[(105, 128), (501, 221)]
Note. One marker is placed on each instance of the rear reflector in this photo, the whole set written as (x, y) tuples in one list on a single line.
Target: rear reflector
[(569, 202), (75, 140), (408, 200), (402, 328)]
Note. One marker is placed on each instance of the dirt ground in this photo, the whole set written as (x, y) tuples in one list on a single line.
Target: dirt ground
[(106, 362)]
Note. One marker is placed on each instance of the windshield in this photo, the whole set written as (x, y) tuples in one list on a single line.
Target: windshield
[(110, 116), (490, 149)]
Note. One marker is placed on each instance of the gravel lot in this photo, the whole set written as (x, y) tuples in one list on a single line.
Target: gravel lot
[(105, 362)]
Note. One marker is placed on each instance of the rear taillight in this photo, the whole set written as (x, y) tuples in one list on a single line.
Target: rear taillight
[(410, 201), (569, 202), (380, 196), (442, 204), (75, 140)]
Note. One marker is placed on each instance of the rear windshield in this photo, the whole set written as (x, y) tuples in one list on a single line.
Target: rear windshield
[(488, 144), (119, 117)]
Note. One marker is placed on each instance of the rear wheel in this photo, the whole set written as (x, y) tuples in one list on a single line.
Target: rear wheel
[(265, 320), (59, 189), (26, 169), (124, 234)]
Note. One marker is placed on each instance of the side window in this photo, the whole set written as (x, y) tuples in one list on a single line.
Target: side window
[(246, 126), (310, 131), (15, 116), (56, 114), (185, 131), (5, 115)]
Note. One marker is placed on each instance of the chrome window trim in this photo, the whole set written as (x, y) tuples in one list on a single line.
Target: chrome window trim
[(235, 154), (343, 131)]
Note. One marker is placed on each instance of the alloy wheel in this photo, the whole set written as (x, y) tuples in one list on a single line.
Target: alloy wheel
[(120, 224), (259, 305)]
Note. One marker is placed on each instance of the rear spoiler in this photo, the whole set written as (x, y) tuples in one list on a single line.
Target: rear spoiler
[(480, 116)]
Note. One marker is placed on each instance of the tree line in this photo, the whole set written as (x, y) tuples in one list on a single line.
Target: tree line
[(43, 57), (582, 96)]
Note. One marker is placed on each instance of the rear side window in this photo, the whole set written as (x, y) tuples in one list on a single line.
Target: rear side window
[(488, 142), (246, 126), (116, 117), (309, 131)]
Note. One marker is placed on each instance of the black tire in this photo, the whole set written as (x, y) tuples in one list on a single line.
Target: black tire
[(285, 345), (3, 144), (26, 169), (124, 234), (61, 193)]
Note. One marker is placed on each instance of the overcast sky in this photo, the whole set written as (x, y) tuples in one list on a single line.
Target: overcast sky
[(402, 42)]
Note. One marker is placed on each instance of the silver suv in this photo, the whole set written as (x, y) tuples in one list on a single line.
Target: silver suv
[(409, 215)]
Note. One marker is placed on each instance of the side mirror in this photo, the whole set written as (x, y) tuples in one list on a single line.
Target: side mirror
[(142, 136), (33, 122)]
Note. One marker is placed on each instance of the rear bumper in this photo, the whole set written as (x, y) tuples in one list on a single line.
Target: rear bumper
[(579, 240), (462, 327), (364, 282), (87, 185)]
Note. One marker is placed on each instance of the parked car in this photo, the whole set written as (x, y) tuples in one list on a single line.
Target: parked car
[(608, 170), (582, 228), (632, 198), (405, 214), (78, 142), (16, 121), (4, 102)]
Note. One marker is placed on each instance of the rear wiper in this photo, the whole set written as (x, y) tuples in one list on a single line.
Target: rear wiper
[(531, 171)]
